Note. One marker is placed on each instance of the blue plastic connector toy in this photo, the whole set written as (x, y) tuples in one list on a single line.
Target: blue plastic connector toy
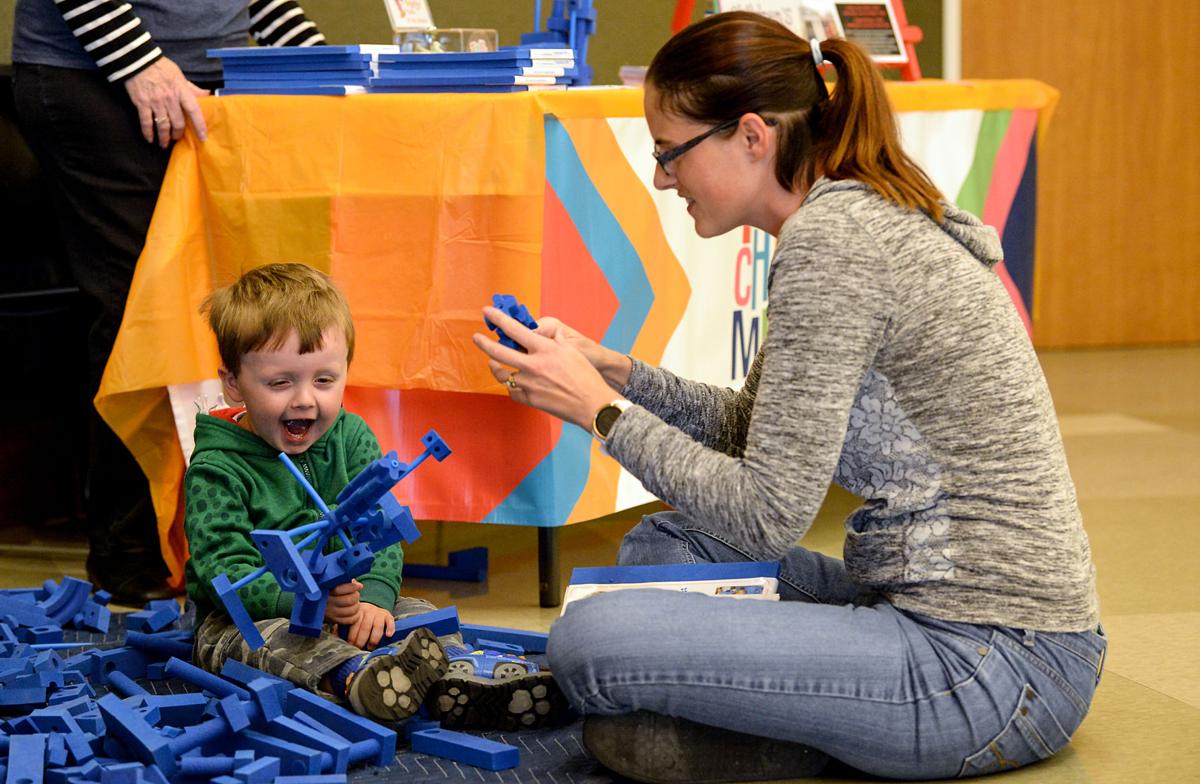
[(508, 303), (569, 24), (366, 520)]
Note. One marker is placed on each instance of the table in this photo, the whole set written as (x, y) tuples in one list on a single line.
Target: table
[(423, 206)]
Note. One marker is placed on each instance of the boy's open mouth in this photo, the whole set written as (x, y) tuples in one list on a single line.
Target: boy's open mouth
[(297, 429)]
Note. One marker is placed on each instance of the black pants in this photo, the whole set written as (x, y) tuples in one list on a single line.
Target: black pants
[(105, 177)]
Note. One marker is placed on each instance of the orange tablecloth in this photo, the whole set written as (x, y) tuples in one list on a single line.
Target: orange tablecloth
[(421, 207)]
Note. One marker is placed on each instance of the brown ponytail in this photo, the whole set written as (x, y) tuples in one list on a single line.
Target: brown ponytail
[(857, 137), (738, 62)]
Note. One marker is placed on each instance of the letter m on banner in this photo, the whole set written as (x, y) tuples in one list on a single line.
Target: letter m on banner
[(745, 344)]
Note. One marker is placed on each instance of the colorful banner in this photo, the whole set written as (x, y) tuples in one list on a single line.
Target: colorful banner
[(422, 207)]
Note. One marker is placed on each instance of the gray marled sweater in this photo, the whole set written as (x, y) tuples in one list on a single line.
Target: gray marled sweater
[(897, 367)]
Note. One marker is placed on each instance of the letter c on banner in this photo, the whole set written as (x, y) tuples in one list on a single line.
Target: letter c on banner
[(741, 294)]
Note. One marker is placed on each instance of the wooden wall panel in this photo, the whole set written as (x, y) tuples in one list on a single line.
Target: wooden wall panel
[(1119, 197)]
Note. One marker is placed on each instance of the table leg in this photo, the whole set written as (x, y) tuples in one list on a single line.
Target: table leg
[(549, 589)]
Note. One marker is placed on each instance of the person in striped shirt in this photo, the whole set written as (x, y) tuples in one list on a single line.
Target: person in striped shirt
[(102, 89)]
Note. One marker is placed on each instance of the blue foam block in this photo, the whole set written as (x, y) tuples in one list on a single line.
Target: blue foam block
[(348, 725), (471, 749), (440, 622), (27, 758), (468, 565), (673, 573), (532, 642)]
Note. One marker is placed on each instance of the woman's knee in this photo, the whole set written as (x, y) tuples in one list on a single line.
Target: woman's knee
[(657, 539), (589, 647), (586, 630)]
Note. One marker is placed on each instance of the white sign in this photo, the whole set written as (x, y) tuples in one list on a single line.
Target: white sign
[(407, 15), (869, 23)]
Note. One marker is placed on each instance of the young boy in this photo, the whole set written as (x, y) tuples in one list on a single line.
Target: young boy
[(286, 340)]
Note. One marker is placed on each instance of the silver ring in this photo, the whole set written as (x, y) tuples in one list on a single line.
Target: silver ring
[(161, 120)]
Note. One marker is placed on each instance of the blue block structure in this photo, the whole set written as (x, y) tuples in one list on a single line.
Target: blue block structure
[(335, 750), (500, 647), (261, 771), (122, 773), (294, 758), (569, 25), (64, 600), (417, 724), (243, 674), (93, 616), (154, 618), (365, 511), (162, 645), (136, 734), (246, 727), (126, 660), (179, 710), (531, 642), (469, 565), (27, 758), (41, 635), (372, 742), (23, 611), (514, 310), (471, 749), (441, 622)]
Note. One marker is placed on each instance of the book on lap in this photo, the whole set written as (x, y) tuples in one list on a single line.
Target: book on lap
[(745, 580)]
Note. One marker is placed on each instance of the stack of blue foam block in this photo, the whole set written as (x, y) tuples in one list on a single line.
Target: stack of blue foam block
[(293, 70), (345, 70), (511, 69)]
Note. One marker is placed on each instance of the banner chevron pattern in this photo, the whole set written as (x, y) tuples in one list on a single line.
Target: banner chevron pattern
[(421, 207)]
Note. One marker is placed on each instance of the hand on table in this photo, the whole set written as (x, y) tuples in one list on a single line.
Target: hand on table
[(166, 102), (555, 375), (371, 626), (342, 605)]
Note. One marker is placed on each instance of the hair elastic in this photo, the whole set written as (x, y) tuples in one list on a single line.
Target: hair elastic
[(815, 46)]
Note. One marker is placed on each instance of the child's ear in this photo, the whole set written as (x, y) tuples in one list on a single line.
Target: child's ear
[(229, 384)]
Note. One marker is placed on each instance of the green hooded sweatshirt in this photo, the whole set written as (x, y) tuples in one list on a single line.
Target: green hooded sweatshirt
[(236, 483)]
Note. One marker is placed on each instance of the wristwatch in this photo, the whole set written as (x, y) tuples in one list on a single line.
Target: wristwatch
[(606, 417)]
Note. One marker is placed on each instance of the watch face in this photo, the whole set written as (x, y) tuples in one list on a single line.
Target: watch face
[(605, 419)]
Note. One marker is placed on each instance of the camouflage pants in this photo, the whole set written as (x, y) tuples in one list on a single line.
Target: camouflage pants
[(302, 660)]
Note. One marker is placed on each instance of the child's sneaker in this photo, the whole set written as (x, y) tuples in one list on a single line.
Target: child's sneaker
[(485, 690), (393, 681)]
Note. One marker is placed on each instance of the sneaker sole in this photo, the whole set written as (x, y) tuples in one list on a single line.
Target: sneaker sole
[(393, 686), (525, 702)]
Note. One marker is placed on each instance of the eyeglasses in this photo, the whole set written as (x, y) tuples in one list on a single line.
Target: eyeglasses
[(667, 156)]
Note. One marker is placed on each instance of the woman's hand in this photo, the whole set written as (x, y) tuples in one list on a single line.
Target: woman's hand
[(342, 606), (613, 366), (555, 375), (166, 102), (371, 626)]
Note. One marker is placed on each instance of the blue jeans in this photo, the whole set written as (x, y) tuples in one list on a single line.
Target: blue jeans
[(890, 692)]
